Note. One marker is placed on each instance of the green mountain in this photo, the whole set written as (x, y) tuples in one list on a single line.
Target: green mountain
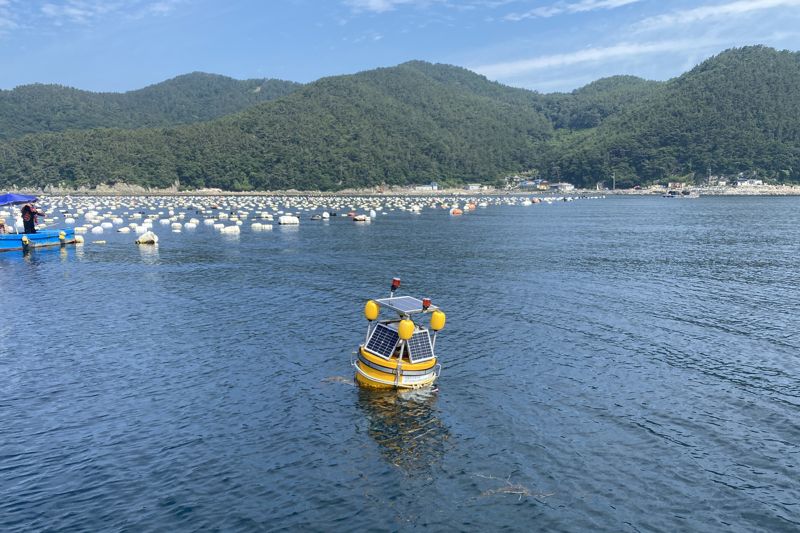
[(407, 124), (736, 112), (589, 106), (419, 122), (189, 98)]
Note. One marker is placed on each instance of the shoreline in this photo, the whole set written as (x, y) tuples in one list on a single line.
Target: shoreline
[(127, 191)]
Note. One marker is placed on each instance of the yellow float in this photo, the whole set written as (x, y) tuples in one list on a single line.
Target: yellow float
[(398, 353)]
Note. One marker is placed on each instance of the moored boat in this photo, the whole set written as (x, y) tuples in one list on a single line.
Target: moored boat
[(399, 353), (10, 242), (41, 239)]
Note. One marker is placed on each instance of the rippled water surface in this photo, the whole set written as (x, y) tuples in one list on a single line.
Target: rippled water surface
[(626, 364)]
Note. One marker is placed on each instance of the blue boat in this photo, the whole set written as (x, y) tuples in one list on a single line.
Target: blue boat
[(10, 242), (27, 241)]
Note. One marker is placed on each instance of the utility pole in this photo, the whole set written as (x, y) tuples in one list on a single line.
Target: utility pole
[(614, 180)]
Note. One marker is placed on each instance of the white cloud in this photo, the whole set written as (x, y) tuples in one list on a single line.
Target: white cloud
[(703, 13), (86, 11), (163, 7), (512, 69), (80, 11), (7, 20), (569, 8), (382, 6)]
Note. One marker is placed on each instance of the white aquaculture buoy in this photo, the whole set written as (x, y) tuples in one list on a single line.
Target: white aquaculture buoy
[(231, 230), (190, 225), (147, 238), (124, 230), (288, 220), (97, 229)]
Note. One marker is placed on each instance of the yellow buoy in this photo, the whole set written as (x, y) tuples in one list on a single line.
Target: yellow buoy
[(371, 310), (438, 319), (25, 240), (405, 329), (62, 235)]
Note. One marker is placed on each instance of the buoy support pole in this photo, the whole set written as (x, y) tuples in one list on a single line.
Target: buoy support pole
[(369, 330), (398, 376)]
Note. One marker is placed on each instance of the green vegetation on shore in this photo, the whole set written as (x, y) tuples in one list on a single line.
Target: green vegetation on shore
[(414, 123), (194, 97)]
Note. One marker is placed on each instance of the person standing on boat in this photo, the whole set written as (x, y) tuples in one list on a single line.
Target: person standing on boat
[(29, 214)]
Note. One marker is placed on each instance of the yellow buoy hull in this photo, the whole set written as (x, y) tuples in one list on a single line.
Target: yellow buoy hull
[(377, 372)]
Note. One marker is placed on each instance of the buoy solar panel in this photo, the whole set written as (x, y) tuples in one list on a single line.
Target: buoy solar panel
[(382, 341), (419, 347)]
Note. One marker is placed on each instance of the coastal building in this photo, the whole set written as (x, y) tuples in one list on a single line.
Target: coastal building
[(562, 186), (749, 183), (473, 187), (537, 184), (676, 185), (433, 186)]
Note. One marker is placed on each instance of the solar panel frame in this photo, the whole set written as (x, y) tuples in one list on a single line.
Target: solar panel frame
[(382, 341), (419, 346), (407, 305)]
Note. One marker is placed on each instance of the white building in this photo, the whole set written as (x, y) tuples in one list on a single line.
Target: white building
[(749, 183)]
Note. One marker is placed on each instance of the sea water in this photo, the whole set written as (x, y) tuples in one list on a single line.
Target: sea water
[(626, 364)]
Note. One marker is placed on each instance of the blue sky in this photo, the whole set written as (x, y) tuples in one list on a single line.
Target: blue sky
[(547, 45)]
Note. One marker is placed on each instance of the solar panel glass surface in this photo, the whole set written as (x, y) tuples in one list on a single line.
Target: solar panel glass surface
[(419, 347), (382, 341)]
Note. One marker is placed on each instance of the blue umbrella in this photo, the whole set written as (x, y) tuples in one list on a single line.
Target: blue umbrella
[(11, 199)]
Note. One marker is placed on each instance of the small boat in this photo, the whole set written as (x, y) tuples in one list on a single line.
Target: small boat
[(681, 194), (41, 239), (399, 353), (10, 242)]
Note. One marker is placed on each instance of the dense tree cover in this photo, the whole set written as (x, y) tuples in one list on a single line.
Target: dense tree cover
[(189, 98), (418, 122), (736, 112), (395, 125), (589, 106)]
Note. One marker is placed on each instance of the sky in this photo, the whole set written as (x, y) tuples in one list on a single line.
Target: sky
[(545, 45)]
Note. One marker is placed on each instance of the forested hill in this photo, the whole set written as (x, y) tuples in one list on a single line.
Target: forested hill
[(736, 112), (185, 99), (589, 106), (408, 124), (418, 122)]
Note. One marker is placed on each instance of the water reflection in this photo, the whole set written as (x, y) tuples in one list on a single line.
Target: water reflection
[(406, 427), (149, 253)]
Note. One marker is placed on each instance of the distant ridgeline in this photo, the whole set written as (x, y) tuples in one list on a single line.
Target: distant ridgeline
[(413, 123)]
